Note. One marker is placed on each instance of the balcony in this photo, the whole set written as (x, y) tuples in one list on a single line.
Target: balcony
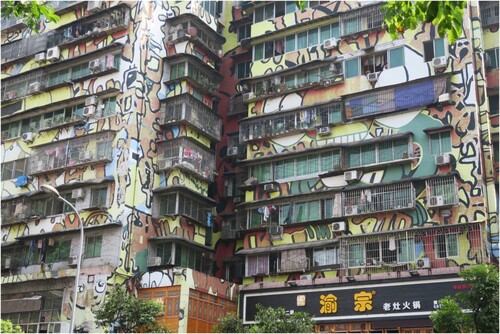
[(62, 7), (489, 13), (402, 97), (378, 199), (186, 109), (91, 149), (188, 155), (196, 72), (191, 29), (12, 23), (105, 23), (362, 20), (15, 211), (289, 122), (22, 85)]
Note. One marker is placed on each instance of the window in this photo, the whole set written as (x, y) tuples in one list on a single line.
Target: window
[(491, 59), (325, 256), (257, 264), (177, 71), (99, 197), (352, 68), (244, 32), (264, 13), (444, 188), (47, 206), (440, 142), (93, 246), (493, 102), (396, 57), (164, 250), (59, 252), (108, 106), (446, 245), (434, 49), (67, 196), (356, 254), (243, 70), (386, 151), (262, 172), (168, 204), (13, 169)]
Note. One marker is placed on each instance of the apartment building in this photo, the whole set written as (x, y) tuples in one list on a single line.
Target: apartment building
[(370, 165), (116, 107)]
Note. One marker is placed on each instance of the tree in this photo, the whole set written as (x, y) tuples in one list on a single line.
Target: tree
[(29, 11), (230, 323), (480, 301), (7, 327), (446, 15), (129, 313), (276, 320)]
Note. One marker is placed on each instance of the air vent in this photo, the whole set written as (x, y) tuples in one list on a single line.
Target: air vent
[(338, 227)]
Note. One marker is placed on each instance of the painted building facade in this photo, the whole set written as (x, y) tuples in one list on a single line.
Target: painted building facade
[(115, 107), (370, 165), (301, 153)]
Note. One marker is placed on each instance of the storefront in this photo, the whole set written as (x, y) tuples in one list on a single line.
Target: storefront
[(359, 307)]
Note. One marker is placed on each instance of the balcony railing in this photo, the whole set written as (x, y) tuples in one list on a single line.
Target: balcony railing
[(378, 199), (188, 155), (489, 13), (361, 20), (291, 121), (69, 154), (186, 108)]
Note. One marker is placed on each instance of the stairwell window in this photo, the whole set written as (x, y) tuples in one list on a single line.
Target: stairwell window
[(93, 246), (433, 49), (446, 245), (440, 142)]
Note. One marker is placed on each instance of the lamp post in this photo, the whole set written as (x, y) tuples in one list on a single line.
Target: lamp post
[(51, 190)]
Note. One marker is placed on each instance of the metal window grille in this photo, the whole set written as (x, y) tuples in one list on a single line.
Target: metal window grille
[(378, 199), (489, 12), (363, 19), (444, 188)]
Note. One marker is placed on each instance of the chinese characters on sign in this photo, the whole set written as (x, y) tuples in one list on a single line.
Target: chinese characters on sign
[(406, 305), (329, 304), (363, 301)]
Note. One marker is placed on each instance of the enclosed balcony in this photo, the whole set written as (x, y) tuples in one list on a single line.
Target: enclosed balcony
[(183, 202), (489, 13), (362, 20), (22, 85), (15, 210), (199, 74), (91, 149), (190, 28), (290, 121), (186, 109), (188, 155)]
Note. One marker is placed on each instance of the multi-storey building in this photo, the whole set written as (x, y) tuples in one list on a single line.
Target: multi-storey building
[(116, 107), (301, 153), (370, 162)]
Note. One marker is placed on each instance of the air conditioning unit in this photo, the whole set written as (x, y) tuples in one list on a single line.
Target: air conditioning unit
[(436, 201), (53, 53), (351, 175), (94, 6), (423, 263), (330, 43), (439, 62), (372, 77), (91, 101), (40, 57), (351, 210), (72, 260), (326, 82), (270, 187), (323, 131), (78, 193), (95, 65), (232, 151), (85, 156), (34, 87), (6, 263), (164, 164), (248, 96), (305, 277), (442, 159), (276, 230), (154, 261), (444, 98), (338, 227), (237, 199), (28, 137), (89, 111)]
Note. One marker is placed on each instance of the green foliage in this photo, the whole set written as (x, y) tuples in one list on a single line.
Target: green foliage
[(7, 327), (450, 318), (230, 323), (480, 301), (446, 15), (29, 11), (130, 313), (301, 4), (275, 320)]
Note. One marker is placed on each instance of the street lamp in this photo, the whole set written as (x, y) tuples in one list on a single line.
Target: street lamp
[(51, 190)]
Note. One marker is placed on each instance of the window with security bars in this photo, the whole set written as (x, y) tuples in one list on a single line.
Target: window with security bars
[(381, 152), (377, 199), (442, 191), (325, 256), (446, 245), (363, 19), (489, 13)]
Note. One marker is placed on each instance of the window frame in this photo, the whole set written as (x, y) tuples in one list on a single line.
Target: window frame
[(93, 246), (440, 142)]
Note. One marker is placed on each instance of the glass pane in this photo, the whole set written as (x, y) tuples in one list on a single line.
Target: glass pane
[(439, 48), (354, 157), (312, 38), (335, 30), (368, 154), (258, 52), (290, 7), (313, 210), (434, 143), (445, 142), (396, 57), (290, 43), (313, 164), (452, 245), (301, 166), (324, 33), (302, 40), (351, 68)]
